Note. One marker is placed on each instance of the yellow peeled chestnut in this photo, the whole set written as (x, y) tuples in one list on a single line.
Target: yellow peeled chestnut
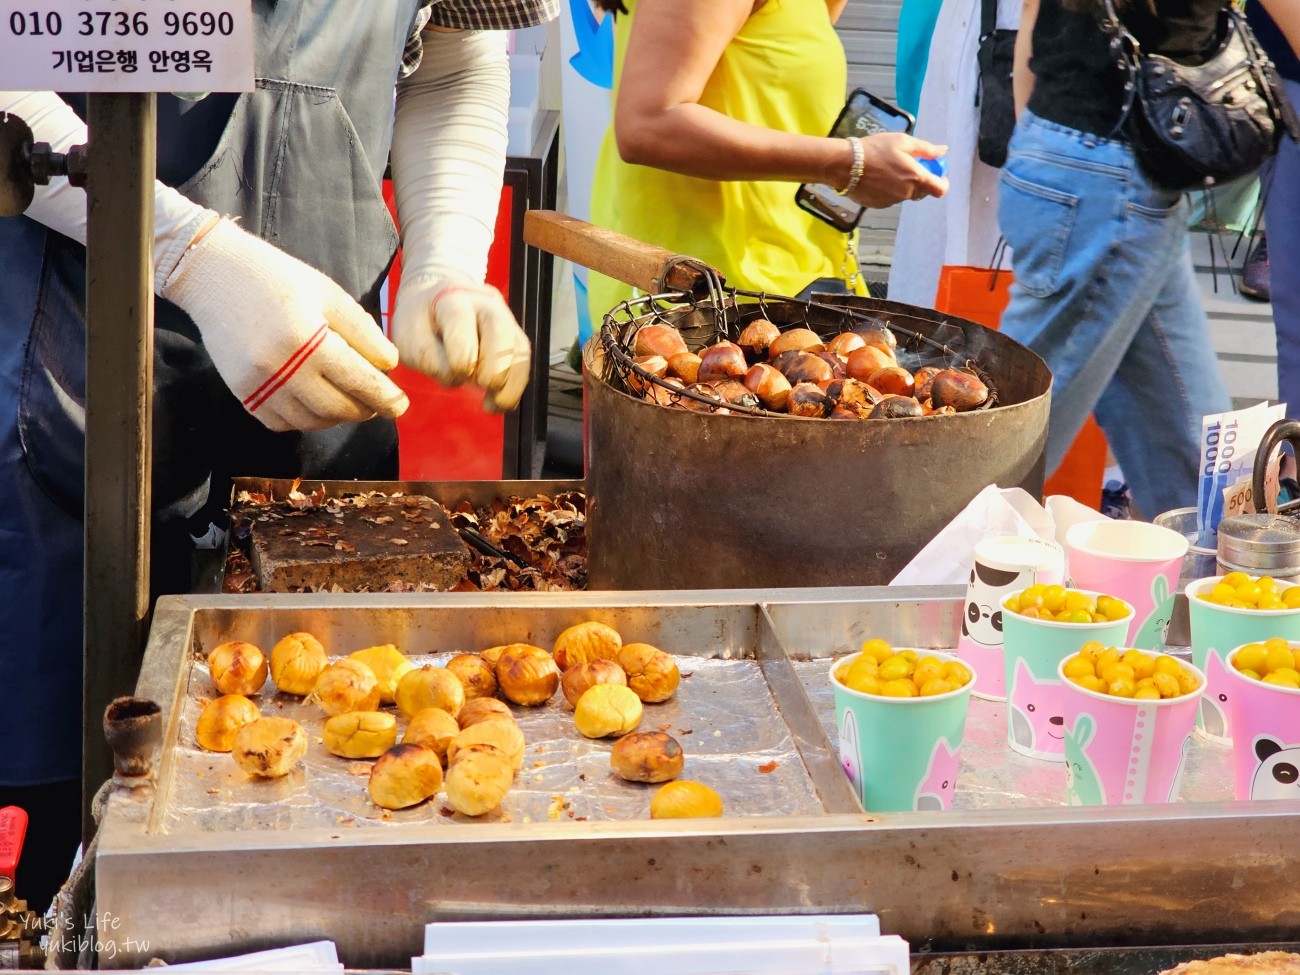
[(405, 775), (478, 676), (296, 661), (578, 678), (587, 641), (429, 687), (483, 709), (606, 710), (503, 735), (478, 782), (346, 685), (647, 756), (269, 747), (221, 718), (389, 665), (684, 799), (433, 728), (360, 734), (237, 668), (492, 654), (527, 674), (650, 672)]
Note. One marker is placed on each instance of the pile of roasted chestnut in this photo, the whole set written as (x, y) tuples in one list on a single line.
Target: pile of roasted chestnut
[(854, 375)]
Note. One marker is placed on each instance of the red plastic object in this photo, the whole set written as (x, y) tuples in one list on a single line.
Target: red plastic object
[(13, 829), (445, 435)]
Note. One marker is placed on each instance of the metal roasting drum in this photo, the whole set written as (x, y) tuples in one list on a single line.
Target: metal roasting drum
[(693, 499)]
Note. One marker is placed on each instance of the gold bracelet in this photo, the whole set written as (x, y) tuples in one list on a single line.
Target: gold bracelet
[(859, 164)]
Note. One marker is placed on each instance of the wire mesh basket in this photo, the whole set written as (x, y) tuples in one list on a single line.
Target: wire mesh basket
[(715, 312)]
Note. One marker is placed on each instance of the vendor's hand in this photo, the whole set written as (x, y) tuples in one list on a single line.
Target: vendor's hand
[(458, 332), (289, 342), (891, 172)]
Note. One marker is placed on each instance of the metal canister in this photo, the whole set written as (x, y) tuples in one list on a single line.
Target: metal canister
[(1260, 544)]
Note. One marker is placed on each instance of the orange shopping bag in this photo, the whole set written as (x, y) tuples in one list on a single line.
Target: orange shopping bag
[(981, 294)]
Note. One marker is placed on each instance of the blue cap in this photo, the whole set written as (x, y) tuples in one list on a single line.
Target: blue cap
[(937, 166)]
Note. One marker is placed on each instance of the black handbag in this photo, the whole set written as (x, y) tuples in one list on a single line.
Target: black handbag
[(997, 108), (1197, 125)]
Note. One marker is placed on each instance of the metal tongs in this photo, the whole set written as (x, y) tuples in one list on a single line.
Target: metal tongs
[(480, 542)]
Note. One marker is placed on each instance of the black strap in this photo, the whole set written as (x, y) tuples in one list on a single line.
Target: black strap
[(988, 18)]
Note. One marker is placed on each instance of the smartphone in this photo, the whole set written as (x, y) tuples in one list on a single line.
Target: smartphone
[(863, 114)]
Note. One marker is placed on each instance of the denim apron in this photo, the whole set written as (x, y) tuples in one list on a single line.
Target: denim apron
[(299, 161)]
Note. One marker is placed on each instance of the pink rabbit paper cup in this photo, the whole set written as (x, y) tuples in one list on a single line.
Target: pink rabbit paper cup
[(1122, 751), (1135, 560), (1216, 630), (1265, 735)]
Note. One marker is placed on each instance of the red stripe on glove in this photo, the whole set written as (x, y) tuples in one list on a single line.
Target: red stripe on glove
[(258, 397)]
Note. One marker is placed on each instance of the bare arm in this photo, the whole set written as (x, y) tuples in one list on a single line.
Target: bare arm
[(1022, 78), (836, 7), (1286, 13), (658, 120)]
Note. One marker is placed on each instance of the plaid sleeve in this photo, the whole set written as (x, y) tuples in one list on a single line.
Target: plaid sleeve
[(494, 14), (414, 50)]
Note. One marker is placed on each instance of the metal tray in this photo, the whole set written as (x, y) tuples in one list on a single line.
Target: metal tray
[(1030, 876)]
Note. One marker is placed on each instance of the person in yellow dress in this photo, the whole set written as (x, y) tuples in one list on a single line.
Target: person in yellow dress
[(721, 109)]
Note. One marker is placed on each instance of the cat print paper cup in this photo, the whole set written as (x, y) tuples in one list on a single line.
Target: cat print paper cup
[(899, 747), (1033, 649)]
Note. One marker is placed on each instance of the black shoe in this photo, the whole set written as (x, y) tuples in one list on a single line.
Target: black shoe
[(1254, 282), (1116, 502)]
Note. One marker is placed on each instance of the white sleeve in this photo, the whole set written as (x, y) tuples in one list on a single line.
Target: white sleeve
[(449, 147), (62, 207)]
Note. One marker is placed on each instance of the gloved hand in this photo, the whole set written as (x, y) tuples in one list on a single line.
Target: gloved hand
[(457, 332), (289, 342)]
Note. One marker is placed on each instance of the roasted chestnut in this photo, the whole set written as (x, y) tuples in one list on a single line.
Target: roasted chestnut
[(722, 360), (390, 666), (853, 394), (756, 337), (845, 343), (837, 363), (655, 365), (527, 674), (661, 340), (929, 409), (607, 710), (429, 687), (483, 709), (405, 775), (684, 799), (586, 641), (478, 678), (806, 367), (733, 392), (647, 756), (685, 366), (269, 747), (237, 667), (769, 385), (866, 361), (923, 377), (579, 678), (894, 407), (893, 381), (479, 780), (839, 412), (223, 717), (651, 673), (959, 389), (296, 661), (880, 337), (796, 339), (347, 685), (714, 401), (360, 734), (807, 400), (500, 733), (433, 728)]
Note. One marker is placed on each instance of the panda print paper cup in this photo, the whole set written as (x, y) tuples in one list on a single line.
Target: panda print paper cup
[(1265, 732), (1003, 564)]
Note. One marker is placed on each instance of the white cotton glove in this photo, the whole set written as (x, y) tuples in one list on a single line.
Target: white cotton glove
[(289, 342), (449, 147)]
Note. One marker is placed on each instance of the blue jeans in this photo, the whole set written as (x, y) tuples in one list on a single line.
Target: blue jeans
[(1282, 221), (1104, 292)]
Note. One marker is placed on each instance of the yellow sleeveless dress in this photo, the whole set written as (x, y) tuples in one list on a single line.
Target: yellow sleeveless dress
[(784, 70)]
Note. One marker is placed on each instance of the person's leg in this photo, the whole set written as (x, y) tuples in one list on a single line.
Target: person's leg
[(1282, 216), (1092, 243), (1168, 380)]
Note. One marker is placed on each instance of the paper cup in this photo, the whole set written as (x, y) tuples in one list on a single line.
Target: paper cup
[(1137, 561), (900, 753), (1032, 652), (1120, 751), (1265, 735), (1217, 630), (1003, 564)]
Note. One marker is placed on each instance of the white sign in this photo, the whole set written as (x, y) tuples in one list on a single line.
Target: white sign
[(126, 45)]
